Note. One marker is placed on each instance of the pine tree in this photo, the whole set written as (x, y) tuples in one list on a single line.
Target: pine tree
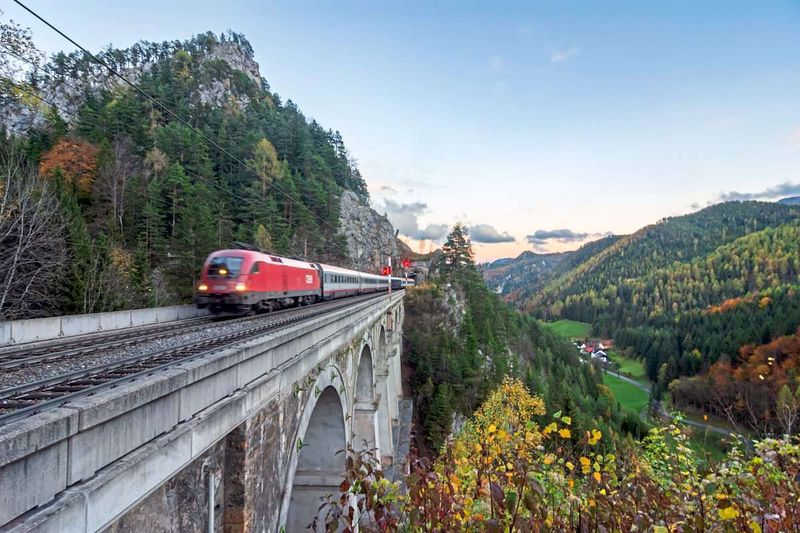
[(457, 250)]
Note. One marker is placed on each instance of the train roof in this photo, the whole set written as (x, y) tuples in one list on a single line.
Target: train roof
[(340, 270), (267, 258)]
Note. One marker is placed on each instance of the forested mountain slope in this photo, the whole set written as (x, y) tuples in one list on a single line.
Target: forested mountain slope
[(676, 239), (519, 278), (140, 197), (527, 269), (687, 291)]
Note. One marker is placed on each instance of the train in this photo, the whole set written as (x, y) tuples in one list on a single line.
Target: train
[(241, 281)]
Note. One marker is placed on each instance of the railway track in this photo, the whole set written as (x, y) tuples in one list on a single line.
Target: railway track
[(94, 343), (25, 400)]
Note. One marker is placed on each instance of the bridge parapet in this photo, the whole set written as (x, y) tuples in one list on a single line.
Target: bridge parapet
[(15, 332), (104, 460)]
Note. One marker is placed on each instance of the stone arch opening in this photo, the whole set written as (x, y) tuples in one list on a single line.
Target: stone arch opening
[(365, 436), (365, 382), (320, 469), (382, 344)]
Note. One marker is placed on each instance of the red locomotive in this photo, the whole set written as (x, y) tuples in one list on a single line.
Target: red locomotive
[(247, 280)]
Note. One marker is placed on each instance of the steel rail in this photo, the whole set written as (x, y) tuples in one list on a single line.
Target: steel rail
[(25, 400), (91, 343)]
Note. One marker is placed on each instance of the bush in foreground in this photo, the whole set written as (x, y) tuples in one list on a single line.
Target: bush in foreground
[(504, 472)]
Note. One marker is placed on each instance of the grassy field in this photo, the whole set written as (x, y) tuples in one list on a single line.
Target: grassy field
[(571, 329), (628, 395), (630, 367)]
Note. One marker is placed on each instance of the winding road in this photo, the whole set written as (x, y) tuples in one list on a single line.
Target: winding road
[(694, 423)]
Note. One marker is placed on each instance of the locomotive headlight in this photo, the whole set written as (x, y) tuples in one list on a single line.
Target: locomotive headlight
[(241, 286), (202, 287)]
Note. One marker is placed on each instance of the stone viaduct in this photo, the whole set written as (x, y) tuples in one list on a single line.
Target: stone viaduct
[(244, 439)]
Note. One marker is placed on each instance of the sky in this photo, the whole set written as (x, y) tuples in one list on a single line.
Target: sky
[(540, 125)]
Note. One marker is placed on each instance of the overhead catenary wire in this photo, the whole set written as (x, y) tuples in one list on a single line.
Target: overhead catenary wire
[(169, 111)]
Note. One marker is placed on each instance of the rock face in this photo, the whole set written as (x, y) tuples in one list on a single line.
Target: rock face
[(65, 83), (238, 58), (369, 236)]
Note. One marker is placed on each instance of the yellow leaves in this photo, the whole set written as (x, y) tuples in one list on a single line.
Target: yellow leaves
[(478, 447), (492, 428), (265, 162), (549, 458), (597, 477), (585, 461), (570, 465), (565, 433), (551, 427), (455, 482), (755, 527), (594, 436), (567, 420), (729, 513)]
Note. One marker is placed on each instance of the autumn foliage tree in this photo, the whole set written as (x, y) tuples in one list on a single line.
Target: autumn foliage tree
[(759, 390), (74, 160)]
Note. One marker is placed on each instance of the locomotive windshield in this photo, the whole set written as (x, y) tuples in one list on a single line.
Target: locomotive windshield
[(225, 266)]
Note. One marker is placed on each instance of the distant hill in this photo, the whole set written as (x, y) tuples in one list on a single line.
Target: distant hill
[(526, 274), (687, 290), (506, 275), (675, 239), (791, 200)]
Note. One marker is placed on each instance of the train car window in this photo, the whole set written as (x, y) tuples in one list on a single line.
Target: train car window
[(256, 268), (276, 259), (225, 266)]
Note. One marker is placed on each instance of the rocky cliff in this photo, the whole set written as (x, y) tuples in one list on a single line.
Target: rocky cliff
[(370, 237), (65, 81)]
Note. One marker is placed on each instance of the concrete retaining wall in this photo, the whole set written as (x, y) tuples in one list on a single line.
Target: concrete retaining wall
[(43, 329)]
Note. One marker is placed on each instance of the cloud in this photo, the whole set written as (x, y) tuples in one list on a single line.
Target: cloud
[(563, 55), (404, 217), (484, 233), (561, 235), (387, 190), (770, 193), (541, 238)]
